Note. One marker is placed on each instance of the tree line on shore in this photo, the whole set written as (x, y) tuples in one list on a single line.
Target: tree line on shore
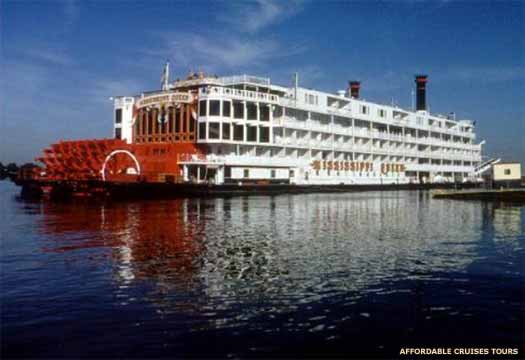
[(11, 170)]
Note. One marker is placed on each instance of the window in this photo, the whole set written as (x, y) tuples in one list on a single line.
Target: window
[(264, 111), (381, 113), (183, 124), (226, 131), (226, 108), (311, 99), (264, 134), (238, 110), (292, 174), (251, 111), (246, 173), (506, 172), (215, 108), (161, 116), (170, 119), (213, 130), (202, 108), (202, 131), (277, 111), (227, 172), (118, 116), (251, 134), (118, 133), (150, 123), (272, 174), (192, 125), (364, 109), (238, 132), (177, 120)]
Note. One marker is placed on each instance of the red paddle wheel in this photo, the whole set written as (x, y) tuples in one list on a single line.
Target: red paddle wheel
[(76, 160), (114, 160)]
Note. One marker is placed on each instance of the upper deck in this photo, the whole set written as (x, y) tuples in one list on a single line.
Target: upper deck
[(257, 89)]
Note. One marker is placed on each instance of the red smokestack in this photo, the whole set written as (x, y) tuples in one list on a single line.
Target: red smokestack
[(354, 87), (421, 92)]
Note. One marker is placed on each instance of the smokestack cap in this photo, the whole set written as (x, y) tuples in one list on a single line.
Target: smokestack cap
[(421, 78)]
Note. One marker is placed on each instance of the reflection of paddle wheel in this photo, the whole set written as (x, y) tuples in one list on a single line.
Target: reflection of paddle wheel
[(120, 165)]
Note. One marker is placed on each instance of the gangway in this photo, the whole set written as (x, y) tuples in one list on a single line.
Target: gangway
[(486, 165)]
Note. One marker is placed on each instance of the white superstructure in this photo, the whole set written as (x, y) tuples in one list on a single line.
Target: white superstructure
[(258, 132)]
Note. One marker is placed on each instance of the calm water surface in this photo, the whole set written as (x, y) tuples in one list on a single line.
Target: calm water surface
[(291, 275)]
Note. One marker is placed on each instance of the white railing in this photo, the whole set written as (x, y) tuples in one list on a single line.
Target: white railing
[(239, 94), (290, 122), (240, 79)]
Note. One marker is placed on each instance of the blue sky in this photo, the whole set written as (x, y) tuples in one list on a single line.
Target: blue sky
[(62, 60)]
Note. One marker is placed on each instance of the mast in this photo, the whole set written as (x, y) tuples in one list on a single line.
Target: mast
[(165, 79)]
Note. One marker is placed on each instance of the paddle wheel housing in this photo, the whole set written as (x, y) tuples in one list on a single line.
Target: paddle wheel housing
[(163, 129), (114, 160)]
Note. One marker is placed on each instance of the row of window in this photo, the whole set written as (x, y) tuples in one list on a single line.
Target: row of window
[(147, 125), (240, 109), (246, 173), (235, 132)]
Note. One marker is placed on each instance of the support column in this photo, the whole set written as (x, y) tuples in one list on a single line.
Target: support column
[(219, 177), (188, 118), (173, 112), (353, 139), (155, 123), (185, 172), (388, 142), (333, 136), (138, 127), (403, 143), (371, 140), (270, 118)]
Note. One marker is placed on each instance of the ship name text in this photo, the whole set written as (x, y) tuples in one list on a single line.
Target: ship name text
[(163, 99), (355, 166)]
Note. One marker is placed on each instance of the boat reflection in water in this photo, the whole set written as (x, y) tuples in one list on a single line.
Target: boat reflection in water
[(320, 267)]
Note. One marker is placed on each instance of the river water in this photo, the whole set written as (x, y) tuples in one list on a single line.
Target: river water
[(354, 275)]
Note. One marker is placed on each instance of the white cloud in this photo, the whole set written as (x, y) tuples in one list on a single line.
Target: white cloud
[(255, 15), (218, 51), (101, 89), (235, 47), (49, 55)]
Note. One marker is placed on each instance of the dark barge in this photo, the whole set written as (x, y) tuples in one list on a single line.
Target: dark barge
[(505, 195), (62, 190)]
